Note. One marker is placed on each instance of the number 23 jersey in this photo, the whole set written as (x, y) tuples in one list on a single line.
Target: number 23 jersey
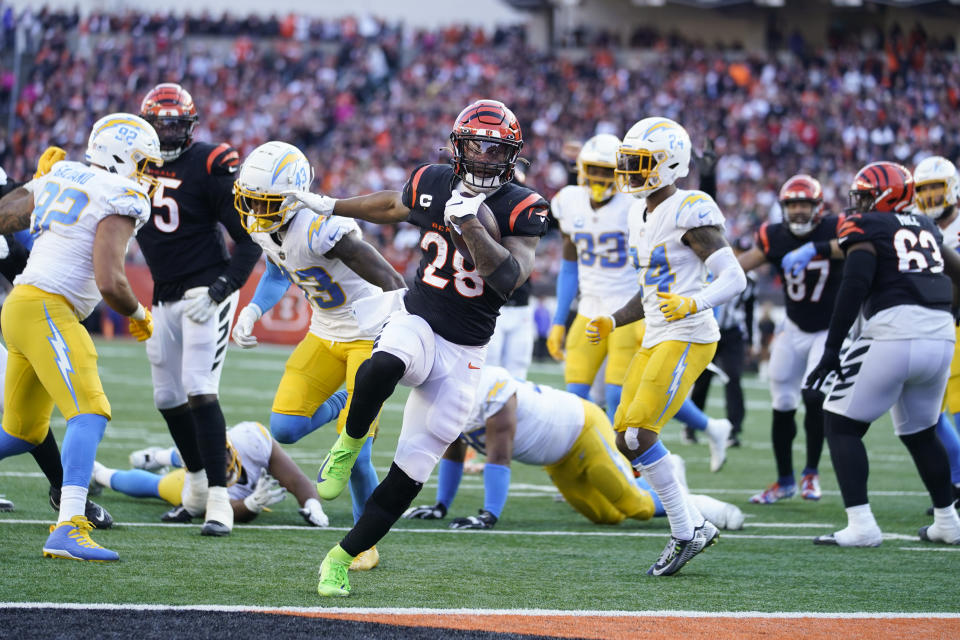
[(665, 264), (69, 203), (328, 284), (448, 292)]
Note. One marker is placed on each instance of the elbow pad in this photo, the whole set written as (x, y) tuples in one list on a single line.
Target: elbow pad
[(504, 278), (729, 279)]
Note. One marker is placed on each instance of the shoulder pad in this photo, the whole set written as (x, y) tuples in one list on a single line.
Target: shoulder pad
[(497, 387), (527, 209), (557, 203), (851, 230), (420, 180), (222, 160), (326, 231), (697, 209)]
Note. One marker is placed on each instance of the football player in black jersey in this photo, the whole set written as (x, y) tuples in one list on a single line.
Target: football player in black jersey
[(195, 291), (895, 274), (803, 249), (436, 341), (14, 250)]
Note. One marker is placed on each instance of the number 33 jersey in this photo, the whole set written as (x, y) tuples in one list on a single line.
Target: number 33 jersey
[(69, 203), (606, 277), (329, 285), (665, 264), (810, 295)]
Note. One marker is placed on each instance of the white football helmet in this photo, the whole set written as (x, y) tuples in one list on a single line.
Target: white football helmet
[(936, 187), (654, 154), (270, 169), (125, 144), (596, 163)]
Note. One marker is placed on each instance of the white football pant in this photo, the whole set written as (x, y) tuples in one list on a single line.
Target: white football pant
[(511, 345), (793, 355)]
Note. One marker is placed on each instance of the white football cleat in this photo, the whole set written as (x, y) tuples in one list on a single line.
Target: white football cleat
[(219, 517), (146, 459), (848, 537), (938, 533), (718, 433), (723, 514)]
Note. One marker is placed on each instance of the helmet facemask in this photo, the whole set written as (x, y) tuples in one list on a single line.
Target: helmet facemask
[(598, 178), (800, 216), (260, 212), (638, 170), (484, 163), (931, 199), (863, 200), (175, 133)]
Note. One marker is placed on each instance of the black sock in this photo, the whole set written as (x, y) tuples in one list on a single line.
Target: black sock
[(784, 431), (376, 379), (47, 455), (813, 426), (212, 441), (385, 506), (184, 433), (849, 456), (932, 463)]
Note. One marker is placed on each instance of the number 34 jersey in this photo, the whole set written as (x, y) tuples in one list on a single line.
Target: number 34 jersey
[(69, 203), (910, 295), (665, 264), (810, 295), (606, 277), (329, 285)]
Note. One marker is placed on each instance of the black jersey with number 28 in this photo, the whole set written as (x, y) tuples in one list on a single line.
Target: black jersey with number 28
[(451, 297), (810, 295), (909, 260)]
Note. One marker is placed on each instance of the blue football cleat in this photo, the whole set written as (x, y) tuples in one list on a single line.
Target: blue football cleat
[(71, 540)]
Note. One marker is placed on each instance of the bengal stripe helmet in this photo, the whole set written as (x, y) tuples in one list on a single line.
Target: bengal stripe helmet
[(806, 189), (881, 186), (170, 109), (486, 140)]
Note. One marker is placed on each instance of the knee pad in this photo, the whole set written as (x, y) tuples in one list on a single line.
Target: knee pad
[(287, 429), (382, 371), (396, 492), (920, 439), (168, 398)]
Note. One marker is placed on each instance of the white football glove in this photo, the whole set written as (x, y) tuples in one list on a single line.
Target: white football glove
[(267, 492), (244, 328), (200, 306), (316, 202), (313, 513), (459, 208)]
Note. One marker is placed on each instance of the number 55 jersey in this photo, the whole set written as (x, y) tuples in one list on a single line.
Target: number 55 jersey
[(71, 200)]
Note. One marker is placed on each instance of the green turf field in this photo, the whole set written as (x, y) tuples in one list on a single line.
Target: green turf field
[(541, 555)]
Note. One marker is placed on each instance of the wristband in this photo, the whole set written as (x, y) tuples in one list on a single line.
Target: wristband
[(139, 314)]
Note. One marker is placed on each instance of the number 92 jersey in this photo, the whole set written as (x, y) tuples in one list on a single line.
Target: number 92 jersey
[(909, 273), (665, 264), (69, 203), (809, 296), (448, 291), (328, 284), (606, 277)]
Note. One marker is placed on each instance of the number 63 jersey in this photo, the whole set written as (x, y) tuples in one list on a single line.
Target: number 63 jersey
[(328, 284), (910, 295), (665, 263), (69, 203)]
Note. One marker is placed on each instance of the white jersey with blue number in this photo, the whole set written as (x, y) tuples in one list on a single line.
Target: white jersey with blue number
[(329, 285), (69, 203), (951, 234), (604, 272), (665, 263), (549, 421), (254, 445)]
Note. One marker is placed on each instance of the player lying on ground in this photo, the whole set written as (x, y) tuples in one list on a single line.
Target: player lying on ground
[(571, 438), (259, 473)]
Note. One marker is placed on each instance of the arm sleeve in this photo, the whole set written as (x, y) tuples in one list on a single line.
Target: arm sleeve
[(728, 280), (246, 253), (858, 271), (567, 283), (273, 284)]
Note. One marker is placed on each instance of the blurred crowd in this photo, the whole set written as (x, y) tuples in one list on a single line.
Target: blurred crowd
[(367, 101)]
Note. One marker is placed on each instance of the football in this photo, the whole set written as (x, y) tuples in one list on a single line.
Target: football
[(489, 222)]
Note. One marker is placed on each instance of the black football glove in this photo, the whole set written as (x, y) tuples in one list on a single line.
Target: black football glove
[(484, 520), (426, 512), (829, 362)]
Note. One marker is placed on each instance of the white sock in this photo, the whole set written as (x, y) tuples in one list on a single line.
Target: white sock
[(165, 456), (103, 474), (860, 518), (73, 502), (946, 518), (663, 479)]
